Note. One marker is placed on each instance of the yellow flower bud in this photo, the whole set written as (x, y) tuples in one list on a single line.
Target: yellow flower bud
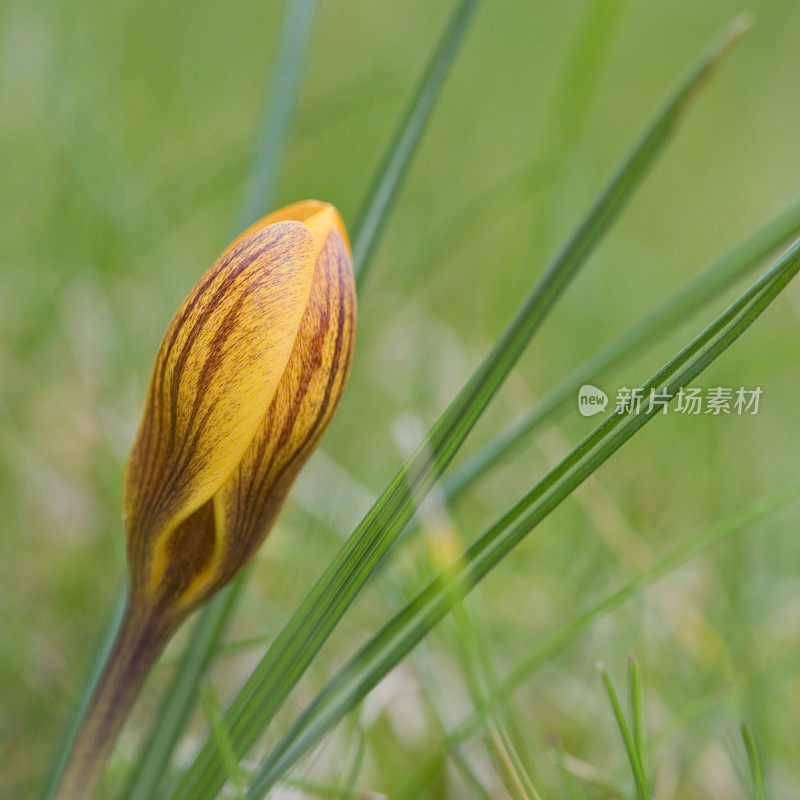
[(246, 380)]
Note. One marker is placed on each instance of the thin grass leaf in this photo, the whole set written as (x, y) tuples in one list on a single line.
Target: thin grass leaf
[(637, 708), (560, 640), (213, 710), (103, 651), (637, 768), (432, 691), (691, 297), (280, 108), (469, 652), (295, 646), (516, 777), (471, 649), (569, 109), (469, 646), (401, 634), (398, 157), (457, 225), (754, 761)]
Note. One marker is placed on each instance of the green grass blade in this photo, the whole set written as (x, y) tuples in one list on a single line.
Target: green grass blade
[(754, 762), (456, 226), (213, 710), (280, 108), (103, 650), (637, 767), (471, 654), (395, 166), (294, 648), (410, 625), (580, 76), (692, 296), (637, 708), (560, 640)]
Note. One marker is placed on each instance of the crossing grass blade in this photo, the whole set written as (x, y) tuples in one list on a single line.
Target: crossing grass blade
[(398, 156), (295, 646), (688, 299), (284, 90), (410, 625)]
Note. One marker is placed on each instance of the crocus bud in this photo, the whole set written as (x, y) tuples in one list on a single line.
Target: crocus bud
[(245, 383)]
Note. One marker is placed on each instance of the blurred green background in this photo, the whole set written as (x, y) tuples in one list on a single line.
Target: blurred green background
[(126, 132)]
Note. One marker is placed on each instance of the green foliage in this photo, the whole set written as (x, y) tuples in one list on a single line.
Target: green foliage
[(145, 113), (753, 762), (294, 648), (632, 741), (408, 627)]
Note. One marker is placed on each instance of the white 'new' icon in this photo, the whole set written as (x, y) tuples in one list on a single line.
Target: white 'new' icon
[(591, 400)]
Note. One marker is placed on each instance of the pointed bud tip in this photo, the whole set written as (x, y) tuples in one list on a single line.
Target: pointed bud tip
[(319, 217)]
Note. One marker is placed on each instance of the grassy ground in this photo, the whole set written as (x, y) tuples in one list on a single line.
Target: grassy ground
[(126, 131)]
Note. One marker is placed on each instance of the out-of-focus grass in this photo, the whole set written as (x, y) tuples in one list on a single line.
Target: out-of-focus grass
[(125, 132)]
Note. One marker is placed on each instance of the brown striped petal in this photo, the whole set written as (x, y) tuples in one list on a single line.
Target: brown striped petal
[(219, 366), (247, 379), (307, 396)]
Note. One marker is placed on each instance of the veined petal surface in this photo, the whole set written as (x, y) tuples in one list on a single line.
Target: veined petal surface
[(303, 405), (217, 370)]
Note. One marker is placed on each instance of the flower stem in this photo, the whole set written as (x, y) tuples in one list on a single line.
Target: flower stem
[(140, 640)]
